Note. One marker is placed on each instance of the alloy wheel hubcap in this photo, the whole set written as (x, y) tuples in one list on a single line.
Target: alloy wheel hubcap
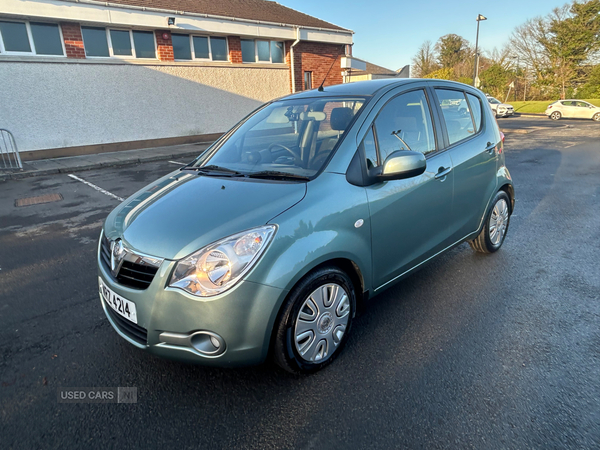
[(498, 222), (322, 322)]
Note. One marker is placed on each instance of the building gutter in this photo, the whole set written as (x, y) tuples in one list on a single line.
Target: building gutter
[(292, 60), (207, 16)]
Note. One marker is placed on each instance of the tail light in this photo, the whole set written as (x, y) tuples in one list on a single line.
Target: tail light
[(549, 107)]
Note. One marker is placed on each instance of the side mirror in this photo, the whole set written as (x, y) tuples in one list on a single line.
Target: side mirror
[(403, 164)]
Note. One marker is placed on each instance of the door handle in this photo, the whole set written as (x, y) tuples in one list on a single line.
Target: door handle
[(491, 148), (442, 172)]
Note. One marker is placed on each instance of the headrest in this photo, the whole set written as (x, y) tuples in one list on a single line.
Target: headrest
[(340, 118)]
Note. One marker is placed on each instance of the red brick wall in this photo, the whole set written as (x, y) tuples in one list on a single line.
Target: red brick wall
[(164, 46), (235, 49), (317, 58), (73, 40)]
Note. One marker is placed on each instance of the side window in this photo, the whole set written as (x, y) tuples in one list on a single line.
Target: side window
[(404, 123), (456, 114), (370, 150), (475, 104)]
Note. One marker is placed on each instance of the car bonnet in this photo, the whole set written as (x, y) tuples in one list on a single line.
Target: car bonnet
[(183, 212)]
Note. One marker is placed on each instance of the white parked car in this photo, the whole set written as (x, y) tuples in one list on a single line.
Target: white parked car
[(573, 109), (499, 108)]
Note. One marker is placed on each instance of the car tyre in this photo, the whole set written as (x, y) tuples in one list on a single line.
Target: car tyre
[(555, 115), (315, 321), (495, 227), (596, 117)]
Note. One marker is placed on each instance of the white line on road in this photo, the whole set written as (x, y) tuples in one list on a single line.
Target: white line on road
[(179, 163), (98, 188)]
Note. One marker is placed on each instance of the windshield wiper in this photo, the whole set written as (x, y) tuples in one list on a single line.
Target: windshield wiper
[(213, 170), (273, 174)]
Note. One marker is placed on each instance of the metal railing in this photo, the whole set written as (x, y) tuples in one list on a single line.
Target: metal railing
[(9, 153)]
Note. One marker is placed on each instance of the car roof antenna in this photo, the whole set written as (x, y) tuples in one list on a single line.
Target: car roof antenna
[(320, 88)]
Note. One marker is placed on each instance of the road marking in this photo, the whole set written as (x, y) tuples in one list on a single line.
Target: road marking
[(178, 163), (98, 188)]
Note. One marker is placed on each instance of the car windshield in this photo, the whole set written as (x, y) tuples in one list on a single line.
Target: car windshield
[(493, 101), (291, 137)]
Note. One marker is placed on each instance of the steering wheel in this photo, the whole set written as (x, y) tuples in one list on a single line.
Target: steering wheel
[(290, 151)]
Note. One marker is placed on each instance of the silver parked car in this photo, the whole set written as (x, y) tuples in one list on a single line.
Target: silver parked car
[(573, 109), (499, 108)]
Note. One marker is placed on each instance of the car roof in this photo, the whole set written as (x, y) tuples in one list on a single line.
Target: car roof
[(368, 88)]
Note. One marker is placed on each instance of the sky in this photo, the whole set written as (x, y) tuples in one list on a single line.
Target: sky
[(389, 33)]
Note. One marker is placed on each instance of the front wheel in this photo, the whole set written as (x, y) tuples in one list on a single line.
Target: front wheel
[(494, 229), (315, 321), (555, 115), (596, 117)]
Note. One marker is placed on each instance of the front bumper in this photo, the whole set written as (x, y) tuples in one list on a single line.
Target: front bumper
[(242, 317), (505, 112)]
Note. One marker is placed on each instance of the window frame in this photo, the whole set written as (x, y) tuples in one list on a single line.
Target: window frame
[(33, 52), (269, 41), (131, 31), (442, 119), (111, 53), (309, 74), (434, 125), (210, 53), (482, 119)]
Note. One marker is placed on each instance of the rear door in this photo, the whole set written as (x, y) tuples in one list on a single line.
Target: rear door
[(409, 218), (473, 146)]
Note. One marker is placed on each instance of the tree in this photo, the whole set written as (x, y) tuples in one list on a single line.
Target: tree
[(452, 49), (556, 47), (591, 89), (495, 80), (445, 73), (425, 60)]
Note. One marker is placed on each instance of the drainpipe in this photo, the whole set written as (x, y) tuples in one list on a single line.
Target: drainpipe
[(292, 60)]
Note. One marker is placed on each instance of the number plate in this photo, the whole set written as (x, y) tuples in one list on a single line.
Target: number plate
[(121, 306)]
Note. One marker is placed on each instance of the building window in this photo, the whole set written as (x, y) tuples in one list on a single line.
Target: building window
[(182, 48), (143, 42), (262, 51), (248, 51), (31, 38), (94, 42), (120, 41), (187, 47), (307, 81), (106, 43)]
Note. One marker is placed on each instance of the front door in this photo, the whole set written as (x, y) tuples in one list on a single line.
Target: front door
[(410, 217)]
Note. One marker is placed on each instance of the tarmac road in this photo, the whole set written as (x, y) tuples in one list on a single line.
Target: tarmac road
[(484, 352)]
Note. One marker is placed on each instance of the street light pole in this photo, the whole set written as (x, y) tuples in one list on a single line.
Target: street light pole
[(517, 76), (476, 71)]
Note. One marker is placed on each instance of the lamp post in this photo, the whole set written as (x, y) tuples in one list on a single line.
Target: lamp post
[(476, 71)]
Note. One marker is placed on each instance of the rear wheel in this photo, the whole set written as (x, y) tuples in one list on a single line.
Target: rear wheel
[(596, 117), (496, 223), (555, 115), (315, 321)]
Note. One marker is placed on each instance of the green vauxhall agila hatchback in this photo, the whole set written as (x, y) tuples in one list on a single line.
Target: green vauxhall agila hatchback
[(263, 246)]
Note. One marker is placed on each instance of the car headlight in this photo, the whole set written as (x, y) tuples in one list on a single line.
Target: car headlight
[(220, 265)]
